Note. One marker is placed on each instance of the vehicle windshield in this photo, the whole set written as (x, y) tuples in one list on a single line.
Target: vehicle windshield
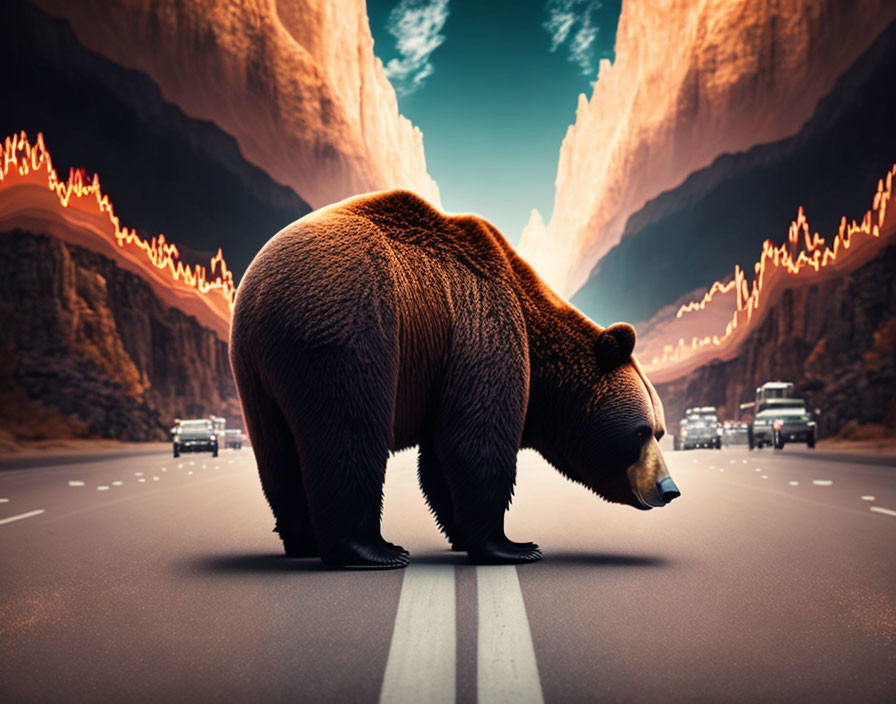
[(785, 404), (194, 428), (784, 409)]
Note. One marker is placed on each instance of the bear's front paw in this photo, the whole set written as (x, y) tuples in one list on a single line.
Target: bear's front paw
[(504, 552), (354, 554)]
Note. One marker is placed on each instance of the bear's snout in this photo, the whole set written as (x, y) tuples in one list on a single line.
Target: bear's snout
[(666, 488), (649, 479)]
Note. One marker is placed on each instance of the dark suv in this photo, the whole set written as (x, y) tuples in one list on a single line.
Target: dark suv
[(195, 436)]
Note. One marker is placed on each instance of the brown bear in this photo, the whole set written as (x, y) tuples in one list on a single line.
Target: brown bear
[(380, 323)]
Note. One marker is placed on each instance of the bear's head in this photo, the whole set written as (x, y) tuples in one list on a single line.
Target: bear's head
[(615, 450)]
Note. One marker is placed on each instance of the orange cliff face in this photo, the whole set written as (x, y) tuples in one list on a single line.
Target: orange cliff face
[(32, 197), (690, 81), (278, 78), (714, 326)]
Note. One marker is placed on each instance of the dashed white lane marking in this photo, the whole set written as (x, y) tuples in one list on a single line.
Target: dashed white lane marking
[(758, 470), (75, 482), (885, 511), (765, 476), (190, 471), (102, 487), (21, 516), (507, 670), (164, 469), (155, 479), (869, 498), (4, 501), (422, 664), (142, 480), (794, 483), (138, 474), (180, 466), (117, 483), (822, 482)]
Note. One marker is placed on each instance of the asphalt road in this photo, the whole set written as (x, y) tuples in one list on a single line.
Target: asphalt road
[(142, 578)]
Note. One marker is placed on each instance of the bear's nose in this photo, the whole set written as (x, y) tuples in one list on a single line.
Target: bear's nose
[(666, 488)]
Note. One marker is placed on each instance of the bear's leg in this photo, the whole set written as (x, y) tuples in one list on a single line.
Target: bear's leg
[(345, 492), (278, 468), (438, 494), (340, 415), (482, 490)]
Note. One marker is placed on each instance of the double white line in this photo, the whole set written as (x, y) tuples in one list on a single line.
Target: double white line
[(422, 664)]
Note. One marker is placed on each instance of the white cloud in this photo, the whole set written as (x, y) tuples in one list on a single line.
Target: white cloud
[(415, 24), (563, 17)]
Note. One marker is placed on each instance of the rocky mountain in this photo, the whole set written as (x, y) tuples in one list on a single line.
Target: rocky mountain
[(690, 81), (720, 216), (836, 340), (89, 350), (164, 171), (278, 77)]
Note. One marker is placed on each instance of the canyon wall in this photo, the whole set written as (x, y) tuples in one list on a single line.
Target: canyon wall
[(89, 350), (277, 76), (836, 340), (690, 81), (114, 121), (719, 217)]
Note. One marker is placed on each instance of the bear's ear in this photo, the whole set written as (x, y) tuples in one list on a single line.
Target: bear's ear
[(615, 345)]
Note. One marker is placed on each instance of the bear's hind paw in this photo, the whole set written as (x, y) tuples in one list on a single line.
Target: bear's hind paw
[(504, 552), (376, 556)]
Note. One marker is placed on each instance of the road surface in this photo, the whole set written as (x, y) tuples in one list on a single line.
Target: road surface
[(149, 579)]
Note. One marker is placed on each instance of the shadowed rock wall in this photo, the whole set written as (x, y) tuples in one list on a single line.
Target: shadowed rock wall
[(835, 340), (88, 349)]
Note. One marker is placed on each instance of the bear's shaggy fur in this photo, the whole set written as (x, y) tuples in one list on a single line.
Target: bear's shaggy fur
[(380, 323)]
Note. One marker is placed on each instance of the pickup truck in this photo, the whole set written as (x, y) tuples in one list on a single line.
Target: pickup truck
[(781, 421)]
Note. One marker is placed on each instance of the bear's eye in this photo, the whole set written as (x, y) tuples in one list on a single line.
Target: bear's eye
[(643, 432)]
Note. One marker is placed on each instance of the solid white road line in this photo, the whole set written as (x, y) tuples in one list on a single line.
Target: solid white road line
[(422, 664), (21, 516), (822, 482), (507, 670), (885, 511), (869, 498)]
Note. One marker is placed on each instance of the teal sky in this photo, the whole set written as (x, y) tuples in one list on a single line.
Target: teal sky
[(491, 97)]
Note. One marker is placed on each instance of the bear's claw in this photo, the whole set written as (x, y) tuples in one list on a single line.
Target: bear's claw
[(504, 552), (381, 555)]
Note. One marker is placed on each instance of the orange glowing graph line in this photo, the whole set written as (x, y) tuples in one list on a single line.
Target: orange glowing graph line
[(21, 157), (791, 258)]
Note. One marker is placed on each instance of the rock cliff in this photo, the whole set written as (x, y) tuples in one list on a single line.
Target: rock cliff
[(115, 122), (835, 340), (278, 77), (690, 81), (89, 350), (719, 217)]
